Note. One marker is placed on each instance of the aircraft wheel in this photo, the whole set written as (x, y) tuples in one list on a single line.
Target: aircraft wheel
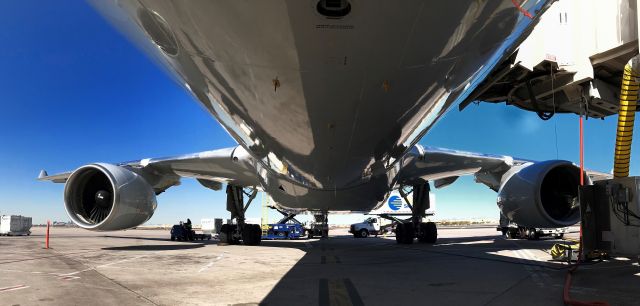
[(399, 233), (257, 231), (522, 233), (226, 234), (509, 234), (429, 232), (422, 232), (536, 235), (405, 233), (251, 234)]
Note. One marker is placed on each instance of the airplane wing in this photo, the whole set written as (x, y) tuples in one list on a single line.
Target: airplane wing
[(445, 166), (211, 168)]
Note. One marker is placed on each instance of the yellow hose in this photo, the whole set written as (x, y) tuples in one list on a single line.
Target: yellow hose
[(626, 117)]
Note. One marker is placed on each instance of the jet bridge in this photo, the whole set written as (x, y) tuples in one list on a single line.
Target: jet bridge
[(582, 58), (572, 62)]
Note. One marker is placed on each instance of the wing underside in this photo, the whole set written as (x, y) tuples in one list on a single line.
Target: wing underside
[(211, 168), (444, 166)]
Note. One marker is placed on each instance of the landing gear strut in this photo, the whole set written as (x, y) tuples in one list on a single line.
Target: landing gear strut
[(250, 234), (320, 226), (414, 228)]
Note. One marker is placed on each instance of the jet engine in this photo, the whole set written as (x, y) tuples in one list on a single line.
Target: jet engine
[(105, 197), (541, 195)]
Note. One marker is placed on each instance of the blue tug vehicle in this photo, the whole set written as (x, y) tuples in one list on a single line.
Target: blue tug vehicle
[(286, 228)]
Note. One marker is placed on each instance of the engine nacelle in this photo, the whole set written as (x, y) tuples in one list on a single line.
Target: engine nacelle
[(542, 195), (105, 197)]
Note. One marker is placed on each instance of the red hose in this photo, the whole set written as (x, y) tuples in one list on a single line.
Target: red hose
[(581, 160), (521, 9)]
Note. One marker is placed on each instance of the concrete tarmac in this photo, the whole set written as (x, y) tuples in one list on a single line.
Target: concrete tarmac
[(468, 266)]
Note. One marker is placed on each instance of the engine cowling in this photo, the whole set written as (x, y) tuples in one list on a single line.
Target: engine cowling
[(105, 197), (541, 195)]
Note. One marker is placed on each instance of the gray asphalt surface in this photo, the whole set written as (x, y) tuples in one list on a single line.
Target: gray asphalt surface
[(468, 266)]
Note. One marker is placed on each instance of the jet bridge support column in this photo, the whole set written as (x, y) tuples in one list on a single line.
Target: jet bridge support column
[(250, 234), (610, 209), (415, 228)]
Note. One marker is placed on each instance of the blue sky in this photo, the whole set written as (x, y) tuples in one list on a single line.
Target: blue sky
[(74, 91)]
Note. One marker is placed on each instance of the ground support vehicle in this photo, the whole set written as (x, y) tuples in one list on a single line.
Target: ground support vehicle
[(374, 226), (11, 225), (320, 226), (370, 226), (513, 231), (182, 233), (286, 228), (284, 231)]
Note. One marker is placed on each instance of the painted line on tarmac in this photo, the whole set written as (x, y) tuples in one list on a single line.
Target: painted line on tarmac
[(45, 257), (338, 292), (13, 288), (31, 272), (329, 259), (546, 277), (210, 264), (205, 267), (538, 276), (102, 266)]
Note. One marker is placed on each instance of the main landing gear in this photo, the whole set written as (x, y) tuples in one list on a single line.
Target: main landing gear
[(250, 234), (407, 230)]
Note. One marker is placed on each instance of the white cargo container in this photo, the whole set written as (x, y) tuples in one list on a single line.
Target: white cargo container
[(15, 225), (208, 226)]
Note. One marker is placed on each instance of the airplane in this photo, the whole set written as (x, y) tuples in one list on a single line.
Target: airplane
[(327, 101)]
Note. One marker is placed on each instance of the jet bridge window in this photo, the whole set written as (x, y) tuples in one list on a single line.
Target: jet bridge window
[(334, 8)]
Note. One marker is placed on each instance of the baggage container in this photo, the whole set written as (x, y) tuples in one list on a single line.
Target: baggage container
[(15, 225)]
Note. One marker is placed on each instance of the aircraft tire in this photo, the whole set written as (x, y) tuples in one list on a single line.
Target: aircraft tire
[(251, 234), (226, 234), (405, 233), (431, 232)]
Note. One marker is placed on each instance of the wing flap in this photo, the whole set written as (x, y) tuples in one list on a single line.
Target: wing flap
[(428, 163)]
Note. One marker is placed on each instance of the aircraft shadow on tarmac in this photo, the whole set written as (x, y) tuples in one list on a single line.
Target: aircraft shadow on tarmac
[(148, 238), (157, 247), (175, 245), (346, 270)]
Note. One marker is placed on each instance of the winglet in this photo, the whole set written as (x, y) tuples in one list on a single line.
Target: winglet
[(56, 178)]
